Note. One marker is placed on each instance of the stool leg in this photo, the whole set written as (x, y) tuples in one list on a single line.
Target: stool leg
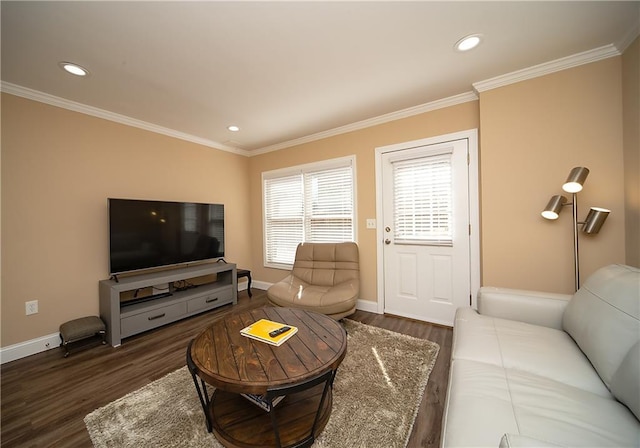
[(249, 285), (63, 345)]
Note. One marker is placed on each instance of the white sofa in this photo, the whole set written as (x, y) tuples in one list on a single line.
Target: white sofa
[(533, 369)]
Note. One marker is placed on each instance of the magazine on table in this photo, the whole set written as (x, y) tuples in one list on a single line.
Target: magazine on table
[(274, 333)]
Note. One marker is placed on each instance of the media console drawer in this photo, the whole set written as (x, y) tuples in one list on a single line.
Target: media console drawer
[(151, 319), (211, 300)]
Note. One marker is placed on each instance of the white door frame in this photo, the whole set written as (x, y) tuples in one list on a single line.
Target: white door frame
[(474, 206)]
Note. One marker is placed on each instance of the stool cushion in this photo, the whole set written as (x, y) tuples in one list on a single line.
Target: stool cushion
[(81, 328)]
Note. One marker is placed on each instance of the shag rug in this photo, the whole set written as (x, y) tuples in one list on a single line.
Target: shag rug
[(376, 395)]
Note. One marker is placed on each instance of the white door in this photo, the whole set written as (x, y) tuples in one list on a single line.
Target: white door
[(425, 230)]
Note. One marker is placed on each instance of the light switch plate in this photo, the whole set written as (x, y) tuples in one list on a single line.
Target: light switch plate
[(31, 307)]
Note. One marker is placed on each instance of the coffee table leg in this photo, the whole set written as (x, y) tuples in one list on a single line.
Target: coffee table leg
[(204, 400), (201, 388)]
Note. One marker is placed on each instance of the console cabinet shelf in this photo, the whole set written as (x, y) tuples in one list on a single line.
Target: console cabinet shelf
[(127, 319)]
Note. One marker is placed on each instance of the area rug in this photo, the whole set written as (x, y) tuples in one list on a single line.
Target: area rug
[(376, 395)]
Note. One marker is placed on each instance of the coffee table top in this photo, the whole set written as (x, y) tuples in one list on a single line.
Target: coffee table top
[(235, 363)]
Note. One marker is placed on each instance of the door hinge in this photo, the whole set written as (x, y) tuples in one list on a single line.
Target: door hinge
[(470, 300)]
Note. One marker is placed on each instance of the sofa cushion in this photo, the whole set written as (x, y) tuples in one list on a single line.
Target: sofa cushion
[(603, 317), (475, 388), (543, 351), (486, 401), (625, 383)]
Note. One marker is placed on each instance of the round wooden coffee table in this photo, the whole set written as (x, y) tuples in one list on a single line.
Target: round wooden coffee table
[(302, 369)]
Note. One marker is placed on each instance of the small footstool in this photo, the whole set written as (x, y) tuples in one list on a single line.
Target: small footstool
[(82, 328)]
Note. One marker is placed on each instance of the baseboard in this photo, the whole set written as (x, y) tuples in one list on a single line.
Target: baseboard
[(28, 348), (260, 285), (367, 305)]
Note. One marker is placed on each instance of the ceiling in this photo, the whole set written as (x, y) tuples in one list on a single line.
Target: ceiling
[(285, 71)]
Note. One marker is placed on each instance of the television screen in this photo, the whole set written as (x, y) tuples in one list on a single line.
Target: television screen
[(149, 234)]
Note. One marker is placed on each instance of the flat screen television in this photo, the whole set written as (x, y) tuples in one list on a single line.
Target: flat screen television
[(150, 234)]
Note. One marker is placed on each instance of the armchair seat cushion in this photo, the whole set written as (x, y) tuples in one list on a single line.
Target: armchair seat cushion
[(329, 300)]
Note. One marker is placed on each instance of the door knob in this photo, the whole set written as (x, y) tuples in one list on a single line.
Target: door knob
[(387, 241)]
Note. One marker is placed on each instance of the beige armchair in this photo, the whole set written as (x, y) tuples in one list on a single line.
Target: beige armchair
[(325, 279)]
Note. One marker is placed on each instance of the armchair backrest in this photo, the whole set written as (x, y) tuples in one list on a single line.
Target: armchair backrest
[(327, 264)]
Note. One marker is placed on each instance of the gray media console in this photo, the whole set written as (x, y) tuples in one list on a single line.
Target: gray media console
[(187, 291)]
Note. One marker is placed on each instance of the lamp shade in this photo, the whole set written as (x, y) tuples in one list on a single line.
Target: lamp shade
[(595, 218), (576, 179), (554, 207)]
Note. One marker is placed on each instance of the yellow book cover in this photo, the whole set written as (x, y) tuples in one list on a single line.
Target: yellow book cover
[(260, 331)]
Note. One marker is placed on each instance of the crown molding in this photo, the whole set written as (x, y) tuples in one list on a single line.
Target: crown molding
[(52, 100), (546, 68), (392, 116), (628, 38)]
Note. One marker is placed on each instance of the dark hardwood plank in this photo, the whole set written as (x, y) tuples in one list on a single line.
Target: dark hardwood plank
[(45, 397)]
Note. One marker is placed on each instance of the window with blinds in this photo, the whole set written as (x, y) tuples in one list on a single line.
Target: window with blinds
[(423, 200), (310, 203)]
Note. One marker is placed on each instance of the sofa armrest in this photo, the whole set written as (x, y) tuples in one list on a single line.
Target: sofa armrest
[(533, 307)]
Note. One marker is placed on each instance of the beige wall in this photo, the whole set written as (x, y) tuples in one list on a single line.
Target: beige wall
[(362, 143), (532, 134), (631, 114), (58, 169)]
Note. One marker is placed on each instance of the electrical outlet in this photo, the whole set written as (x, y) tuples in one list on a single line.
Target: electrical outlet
[(31, 307), (371, 223)]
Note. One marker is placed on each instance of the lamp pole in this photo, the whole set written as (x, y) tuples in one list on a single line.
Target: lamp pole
[(576, 259)]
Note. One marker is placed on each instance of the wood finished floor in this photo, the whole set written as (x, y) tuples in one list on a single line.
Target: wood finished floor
[(45, 397)]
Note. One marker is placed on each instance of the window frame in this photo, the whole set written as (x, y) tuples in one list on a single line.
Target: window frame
[(301, 170)]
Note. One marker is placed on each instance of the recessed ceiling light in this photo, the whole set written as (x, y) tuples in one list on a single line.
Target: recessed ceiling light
[(233, 128), (74, 69), (469, 42)]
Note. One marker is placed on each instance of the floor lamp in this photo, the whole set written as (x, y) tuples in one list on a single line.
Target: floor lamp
[(591, 225)]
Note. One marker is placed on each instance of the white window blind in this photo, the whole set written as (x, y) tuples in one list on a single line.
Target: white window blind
[(315, 204), (423, 200), (329, 205), (284, 218)]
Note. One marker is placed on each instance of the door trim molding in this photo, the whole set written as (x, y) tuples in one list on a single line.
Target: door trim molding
[(471, 135)]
